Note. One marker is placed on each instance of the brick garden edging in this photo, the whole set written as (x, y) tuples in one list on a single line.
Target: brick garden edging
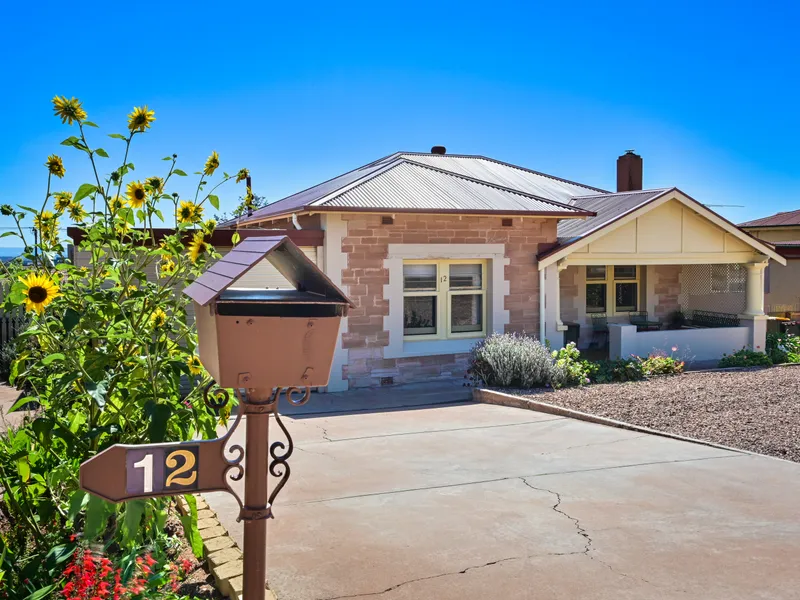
[(503, 399), (223, 556)]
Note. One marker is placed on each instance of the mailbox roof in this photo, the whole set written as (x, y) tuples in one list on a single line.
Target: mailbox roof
[(284, 255)]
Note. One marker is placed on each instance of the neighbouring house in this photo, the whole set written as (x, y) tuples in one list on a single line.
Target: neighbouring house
[(439, 250), (782, 230)]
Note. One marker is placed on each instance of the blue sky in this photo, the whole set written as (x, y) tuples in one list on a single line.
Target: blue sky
[(299, 92)]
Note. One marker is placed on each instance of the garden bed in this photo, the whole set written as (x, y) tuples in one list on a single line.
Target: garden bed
[(755, 409)]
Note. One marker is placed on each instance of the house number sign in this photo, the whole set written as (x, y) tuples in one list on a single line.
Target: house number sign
[(124, 472), (160, 469)]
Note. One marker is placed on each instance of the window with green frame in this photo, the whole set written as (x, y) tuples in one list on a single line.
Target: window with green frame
[(612, 289)]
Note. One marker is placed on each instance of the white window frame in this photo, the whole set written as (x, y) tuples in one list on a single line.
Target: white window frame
[(443, 294), (611, 282)]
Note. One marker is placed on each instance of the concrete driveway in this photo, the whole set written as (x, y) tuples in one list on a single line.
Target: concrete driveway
[(466, 501)]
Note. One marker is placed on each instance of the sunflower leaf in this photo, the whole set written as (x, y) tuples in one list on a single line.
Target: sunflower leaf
[(179, 172), (98, 392), (71, 318), (118, 136), (235, 238), (90, 124), (130, 166), (8, 233), (70, 141), (84, 190), (51, 357), (214, 200), (101, 152)]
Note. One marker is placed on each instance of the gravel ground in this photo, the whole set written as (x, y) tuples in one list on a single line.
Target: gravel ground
[(756, 410)]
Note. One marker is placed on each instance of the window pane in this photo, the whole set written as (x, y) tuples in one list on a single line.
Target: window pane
[(596, 298), (419, 315), (595, 272), (466, 313), (626, 297), (417, 278), (466, 277), (625, 272)]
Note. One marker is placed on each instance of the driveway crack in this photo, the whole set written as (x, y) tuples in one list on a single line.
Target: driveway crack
[(556, 507), (589, 542), (398, 585)]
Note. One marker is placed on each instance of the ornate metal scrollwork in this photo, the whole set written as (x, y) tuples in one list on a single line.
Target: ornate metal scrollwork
[(279, 467), (217, 399), (306, 391)]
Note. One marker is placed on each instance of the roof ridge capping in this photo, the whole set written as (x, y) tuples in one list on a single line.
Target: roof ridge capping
[(513, 166), (577, 211), (282, 253)]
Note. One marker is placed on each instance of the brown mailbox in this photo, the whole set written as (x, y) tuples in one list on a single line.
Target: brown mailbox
[(280, 338)]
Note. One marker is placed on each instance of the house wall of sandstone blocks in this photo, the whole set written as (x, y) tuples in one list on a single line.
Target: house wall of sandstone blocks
[(368, 254)]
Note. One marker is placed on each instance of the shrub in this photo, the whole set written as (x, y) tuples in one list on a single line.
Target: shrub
[(8, 354), (783, 348), (617, 371), (511, 360), (656, 364), (569, 369), (745, 358)]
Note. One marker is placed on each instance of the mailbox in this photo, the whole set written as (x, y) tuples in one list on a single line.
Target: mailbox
[(280, 338)]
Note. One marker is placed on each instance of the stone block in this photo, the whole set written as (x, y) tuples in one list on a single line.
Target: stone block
[(220, 557)]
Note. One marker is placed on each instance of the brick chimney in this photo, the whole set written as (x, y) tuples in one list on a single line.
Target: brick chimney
[(629, 172)]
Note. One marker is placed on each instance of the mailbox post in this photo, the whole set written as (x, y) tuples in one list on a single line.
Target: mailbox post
[(261, 343)]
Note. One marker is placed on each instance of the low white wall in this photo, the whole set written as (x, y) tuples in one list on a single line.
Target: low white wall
[(692, 344)]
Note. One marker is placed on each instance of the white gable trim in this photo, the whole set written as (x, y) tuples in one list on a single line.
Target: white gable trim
[(673, 194)]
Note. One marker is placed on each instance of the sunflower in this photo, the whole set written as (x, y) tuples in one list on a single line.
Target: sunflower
[(55, 165), (76, 212), (195, 366), (158, 319), (211, 164), (140, 118), (69, 110), (116, 203), (168, 266), (63, 200), (39, 291), (197, 247), (47, 224), (156, 185), (209, 226), (242, 175), (188, 212), (136, 194)]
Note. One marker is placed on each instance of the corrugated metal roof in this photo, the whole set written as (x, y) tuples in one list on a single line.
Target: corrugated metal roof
[(608, 207), (781, 219), (506, 175), (786, 244), (489, 171), (411, 186)]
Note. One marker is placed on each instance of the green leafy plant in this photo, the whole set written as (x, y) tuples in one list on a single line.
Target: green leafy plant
[(783, 348), (569, 369), (745, 358), (108, 347), (616, 371), (659, 364)]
